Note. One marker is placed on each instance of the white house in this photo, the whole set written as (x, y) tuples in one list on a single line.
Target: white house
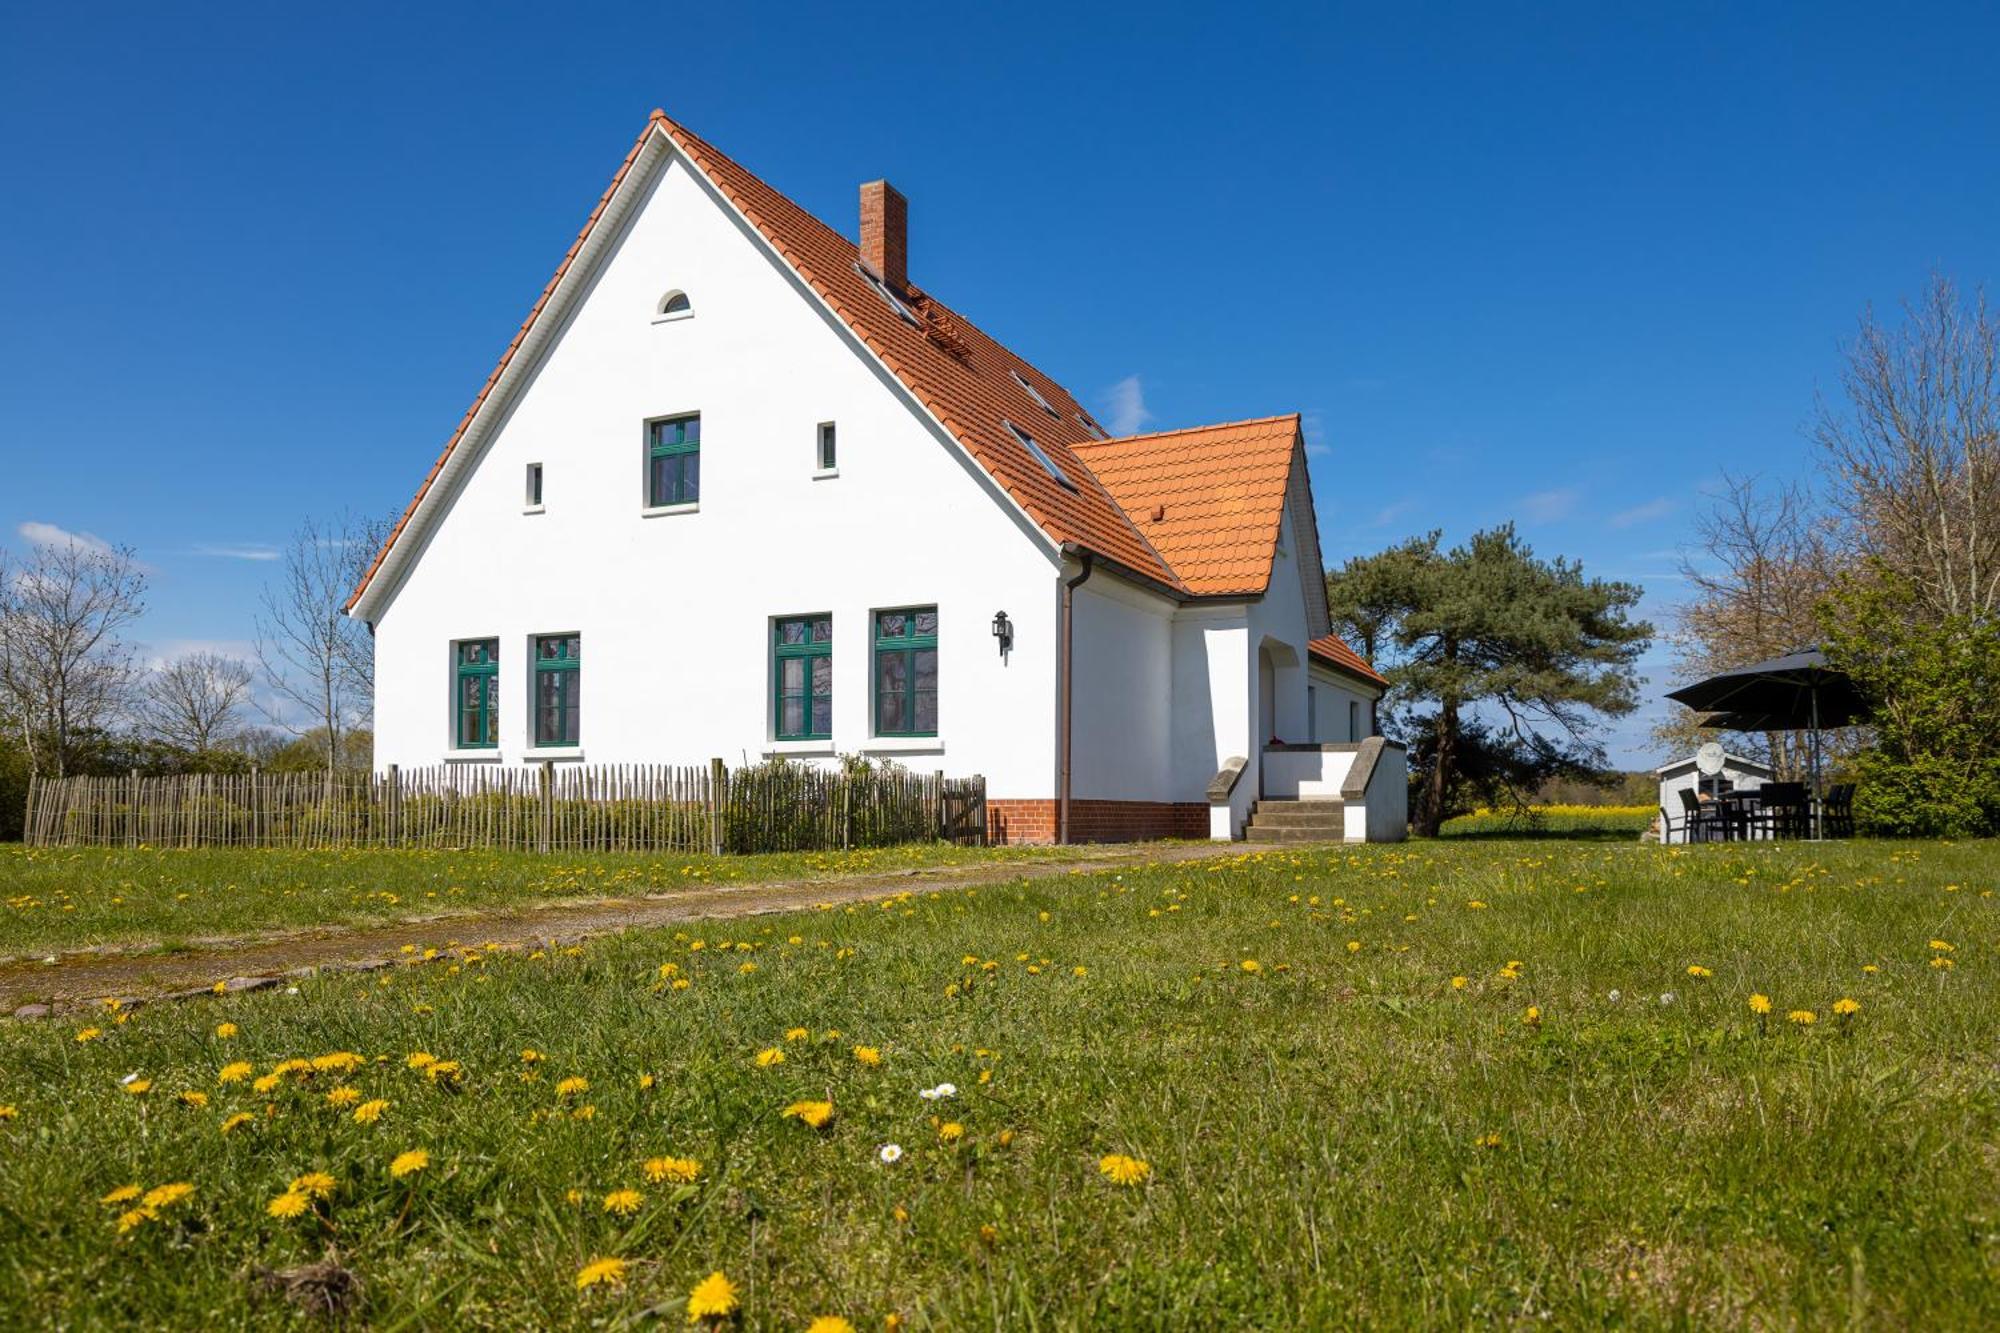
[(738, 487)]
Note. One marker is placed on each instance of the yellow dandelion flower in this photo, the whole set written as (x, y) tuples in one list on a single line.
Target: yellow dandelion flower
[(233, 1072), (89, 1034), (601, 1272), (123, 1194), (1251, 965), (1475, 904), (573, 1086), (9, 1112), (316, 1183), (623, 1202), (1870, 968), (1079, 971), (669, 970), (813, 1114), (769, 1056), (1122, 1170), (370, 1111), (951, 1131), (1942, 962), (290, 1204), (339, 1062), (1697, 970), (714, 1297), (408, 1163), (237, 1121), (1006, 1138), (646, 1081), (747, 968), (190, 1097), (166, 1196), (797, 1034), (680, 1170), (1845, 1006), (266, 1083), (225, 1030), (1488, 1140), (829, 1323), (344, 1095), (1532, 1017), (1760, 1004), (1458, 983), (420, 1059), (867, 1055), (1941, 946), (1805, 1018), (133, 1218)]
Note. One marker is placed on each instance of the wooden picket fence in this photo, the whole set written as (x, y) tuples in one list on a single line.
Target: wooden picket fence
[(546, 808)]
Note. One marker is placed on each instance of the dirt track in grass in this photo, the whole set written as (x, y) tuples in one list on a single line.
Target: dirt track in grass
[(136, 973)]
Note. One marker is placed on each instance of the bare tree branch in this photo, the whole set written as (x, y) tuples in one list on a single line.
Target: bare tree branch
[(64, 672), (195, 702)]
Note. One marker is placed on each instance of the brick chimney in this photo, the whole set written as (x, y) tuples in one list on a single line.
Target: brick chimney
[(885, 234)]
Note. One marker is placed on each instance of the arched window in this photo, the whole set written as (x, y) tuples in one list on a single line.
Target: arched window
[(674, 305)]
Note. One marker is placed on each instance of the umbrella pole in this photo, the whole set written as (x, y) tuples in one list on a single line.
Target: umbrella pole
[(1818, 828)]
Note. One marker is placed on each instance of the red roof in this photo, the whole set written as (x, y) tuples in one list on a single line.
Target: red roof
[(1340, 657), (1223, 486)]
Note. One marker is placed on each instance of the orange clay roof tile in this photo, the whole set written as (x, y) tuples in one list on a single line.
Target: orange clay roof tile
[(1223, 486), (1219, 492), (1338, 655)]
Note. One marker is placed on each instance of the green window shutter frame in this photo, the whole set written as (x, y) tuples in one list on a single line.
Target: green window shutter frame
[(475, 691), (802, 678), (906, 671), (673, 461), (556, 702)]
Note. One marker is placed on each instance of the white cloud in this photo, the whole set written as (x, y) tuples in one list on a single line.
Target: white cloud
[(1644, 513), (1125, 407), (1390, 513), (237, 550), (48, 534), (1547, 506), (166, 650)]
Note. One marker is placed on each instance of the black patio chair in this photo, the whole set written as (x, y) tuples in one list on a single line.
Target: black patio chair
[(1837, 812), (1698, 822), (1785, 811)]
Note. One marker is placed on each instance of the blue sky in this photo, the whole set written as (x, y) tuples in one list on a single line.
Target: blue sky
[(1555, 263)]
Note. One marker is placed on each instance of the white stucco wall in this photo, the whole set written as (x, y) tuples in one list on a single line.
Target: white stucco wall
[(1122, 724), (1330, 715), (675, 610), (1213, 703), (1387, 801), (1306, 775)]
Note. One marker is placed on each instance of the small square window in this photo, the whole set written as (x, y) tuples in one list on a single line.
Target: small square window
[(533, 496), (826, 459), (1040, 455)]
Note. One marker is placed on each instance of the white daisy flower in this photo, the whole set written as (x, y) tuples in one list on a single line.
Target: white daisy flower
[(890, 1153)]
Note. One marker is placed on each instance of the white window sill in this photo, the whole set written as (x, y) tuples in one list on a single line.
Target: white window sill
[(569, 754), (472, 756), (774, 749), (825, 473), (665, 511), (531, 509), (904, 745), (678, 314)]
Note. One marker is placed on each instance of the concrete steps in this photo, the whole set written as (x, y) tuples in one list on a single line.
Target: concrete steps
[(1297, 821)]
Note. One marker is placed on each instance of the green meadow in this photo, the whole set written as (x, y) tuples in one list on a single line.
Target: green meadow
[(1469, 1082)]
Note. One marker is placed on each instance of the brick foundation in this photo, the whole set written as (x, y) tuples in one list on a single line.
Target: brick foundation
[(1009, 821)]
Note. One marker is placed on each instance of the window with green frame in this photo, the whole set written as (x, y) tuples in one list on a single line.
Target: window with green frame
[(475, 692), (673, 461), (558, 672), (906, 672), (802, 650)]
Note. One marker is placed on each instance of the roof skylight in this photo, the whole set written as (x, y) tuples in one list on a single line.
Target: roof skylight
[(1048, 464), (1034, 393), (882, 290), (1090, 426)]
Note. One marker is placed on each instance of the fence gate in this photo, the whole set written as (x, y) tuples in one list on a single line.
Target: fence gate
[(962, 811)]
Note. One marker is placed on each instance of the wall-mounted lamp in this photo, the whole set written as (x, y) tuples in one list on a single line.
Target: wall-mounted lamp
[(1003, 630)]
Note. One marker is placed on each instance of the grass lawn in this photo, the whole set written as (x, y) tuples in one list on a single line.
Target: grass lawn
[(58, 898), (1608, 823), (1446, 1084)]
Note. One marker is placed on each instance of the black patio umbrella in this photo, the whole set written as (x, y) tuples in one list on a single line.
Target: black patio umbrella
[(1800, 691)]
